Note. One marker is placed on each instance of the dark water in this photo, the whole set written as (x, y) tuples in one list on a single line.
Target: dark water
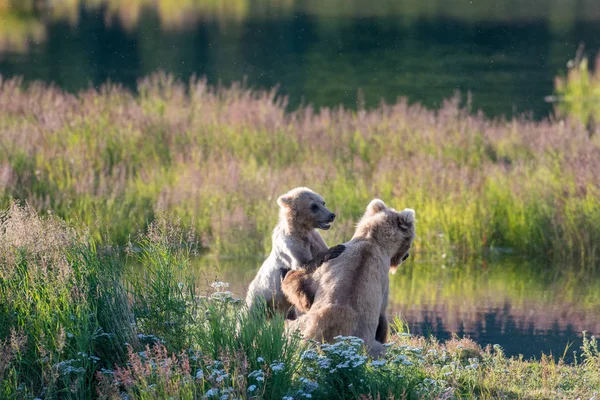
[(506, 53), (524, 307)]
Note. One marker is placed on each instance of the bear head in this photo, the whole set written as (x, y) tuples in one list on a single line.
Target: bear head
[(304, 209), (393, 230)]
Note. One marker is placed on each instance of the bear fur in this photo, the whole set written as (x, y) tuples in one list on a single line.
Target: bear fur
[(297, 245), (348, 295)]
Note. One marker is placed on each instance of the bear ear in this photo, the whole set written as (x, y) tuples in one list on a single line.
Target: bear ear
[(406, 217), (284, 201), (374, 207)]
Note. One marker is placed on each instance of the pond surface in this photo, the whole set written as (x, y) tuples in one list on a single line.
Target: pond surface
[(526, 308), (506, 52)]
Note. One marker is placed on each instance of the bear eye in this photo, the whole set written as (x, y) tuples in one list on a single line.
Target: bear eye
[(314, 208)]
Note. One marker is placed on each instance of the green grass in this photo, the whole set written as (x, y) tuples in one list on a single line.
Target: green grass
[(579, 93), (75, 323), (110, 160)]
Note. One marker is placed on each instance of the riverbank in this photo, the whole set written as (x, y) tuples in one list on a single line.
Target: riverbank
[(75, 324)]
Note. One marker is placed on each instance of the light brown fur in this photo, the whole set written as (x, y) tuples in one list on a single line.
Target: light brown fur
[(296, 243), (351, 291)]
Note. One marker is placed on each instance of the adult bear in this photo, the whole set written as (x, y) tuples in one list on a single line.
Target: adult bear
[(348, 296)]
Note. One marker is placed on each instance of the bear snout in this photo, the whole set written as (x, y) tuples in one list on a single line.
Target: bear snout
[(331, 217)]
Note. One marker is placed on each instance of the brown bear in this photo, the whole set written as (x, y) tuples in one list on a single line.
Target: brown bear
[(297, 245), (348, 295)]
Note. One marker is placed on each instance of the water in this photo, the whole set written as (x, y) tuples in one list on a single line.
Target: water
[(526, 308), (506, 53)]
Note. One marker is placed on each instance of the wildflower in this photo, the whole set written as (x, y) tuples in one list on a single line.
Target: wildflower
[(277, 367), (358, 363), (309, 355), (308, 384), (219, 285), (260, 360), (377, 363), (258, 375), (211, 393), (399, 359), (222, 296), (407, 363), (288, 398), (251, 388)]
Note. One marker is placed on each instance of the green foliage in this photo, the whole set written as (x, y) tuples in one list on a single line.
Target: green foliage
[(75, 323), (579, 92), (54, 294)]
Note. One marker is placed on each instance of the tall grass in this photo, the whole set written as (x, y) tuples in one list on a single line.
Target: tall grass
[(77, 324), (57, 297), (218, 158)]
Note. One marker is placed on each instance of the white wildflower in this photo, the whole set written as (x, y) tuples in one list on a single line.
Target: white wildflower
[(277, 367), (309, 355), (377, 363)]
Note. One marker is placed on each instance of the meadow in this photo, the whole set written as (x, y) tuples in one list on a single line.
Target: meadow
[(77, 325), (218, 157), (95, 182)]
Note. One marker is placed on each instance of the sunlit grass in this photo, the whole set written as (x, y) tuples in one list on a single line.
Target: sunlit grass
[(218, 158), (579, 93)]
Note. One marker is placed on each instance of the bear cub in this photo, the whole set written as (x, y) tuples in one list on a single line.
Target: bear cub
[(297, 245)]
